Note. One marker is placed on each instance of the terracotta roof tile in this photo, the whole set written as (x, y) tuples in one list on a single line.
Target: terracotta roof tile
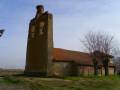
[(63, 55), (68, 55)]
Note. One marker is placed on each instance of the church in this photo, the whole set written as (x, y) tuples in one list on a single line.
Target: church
[(42, 59), (75, 63)]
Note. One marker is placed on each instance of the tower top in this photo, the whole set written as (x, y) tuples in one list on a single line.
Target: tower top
[(39, 6), (40, 9)]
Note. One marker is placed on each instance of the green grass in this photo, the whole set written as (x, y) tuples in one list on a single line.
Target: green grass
[(66, 83)]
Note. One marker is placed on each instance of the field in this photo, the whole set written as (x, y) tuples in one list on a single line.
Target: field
[(12, 82)]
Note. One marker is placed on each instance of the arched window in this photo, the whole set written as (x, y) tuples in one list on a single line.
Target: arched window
[(32, 31), (41, 25)]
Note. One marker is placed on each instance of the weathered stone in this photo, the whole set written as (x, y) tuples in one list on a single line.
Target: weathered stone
[(40, 44)]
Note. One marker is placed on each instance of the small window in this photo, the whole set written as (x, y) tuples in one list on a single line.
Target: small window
[(41, 25), (32, 31)]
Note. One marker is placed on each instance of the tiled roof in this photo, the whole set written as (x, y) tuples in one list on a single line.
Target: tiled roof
[(62, 55)]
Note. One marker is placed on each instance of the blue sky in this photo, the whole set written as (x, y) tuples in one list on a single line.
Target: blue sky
[(72, 19)]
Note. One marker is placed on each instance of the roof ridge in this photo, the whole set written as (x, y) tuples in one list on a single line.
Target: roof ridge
[(71, 50)]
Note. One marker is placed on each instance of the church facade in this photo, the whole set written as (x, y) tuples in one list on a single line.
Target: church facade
[(43, 59)]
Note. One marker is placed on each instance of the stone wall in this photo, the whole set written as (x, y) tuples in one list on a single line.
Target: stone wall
[(40, 44), (60, 69), (86, 70), (64, 69)]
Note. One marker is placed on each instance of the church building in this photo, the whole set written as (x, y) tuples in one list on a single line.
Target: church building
[(42, 59), (75, 63)]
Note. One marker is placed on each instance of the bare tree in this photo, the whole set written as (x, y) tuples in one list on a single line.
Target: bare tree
[(99, 46)]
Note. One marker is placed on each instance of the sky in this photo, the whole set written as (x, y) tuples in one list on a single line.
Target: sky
[(72, 19)]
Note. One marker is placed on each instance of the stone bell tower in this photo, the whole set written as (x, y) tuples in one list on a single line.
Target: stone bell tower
[(40, 44)]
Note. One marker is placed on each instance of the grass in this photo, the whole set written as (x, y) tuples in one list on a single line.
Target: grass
[(66, 83)]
